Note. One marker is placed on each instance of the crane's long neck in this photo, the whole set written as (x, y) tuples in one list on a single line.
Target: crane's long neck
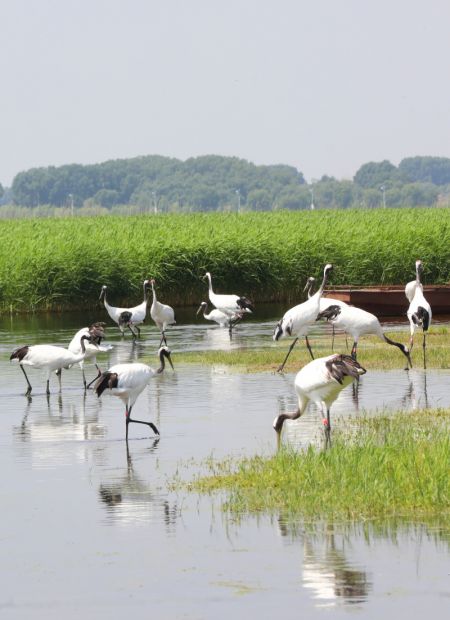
[(322, 286), (145, 292), (154, 295), (418, 274), (162, 363), (103, 297), (208, 275), (280, 420), (80, 357), (309, 288)]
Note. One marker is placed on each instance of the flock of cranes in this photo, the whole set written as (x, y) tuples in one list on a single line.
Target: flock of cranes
[(320, 381)]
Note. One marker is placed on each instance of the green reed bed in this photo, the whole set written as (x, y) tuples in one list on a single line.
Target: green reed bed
[(393, 466), (62, 263)]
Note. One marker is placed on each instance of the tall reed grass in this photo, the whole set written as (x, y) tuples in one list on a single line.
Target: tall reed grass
[(62, 263)]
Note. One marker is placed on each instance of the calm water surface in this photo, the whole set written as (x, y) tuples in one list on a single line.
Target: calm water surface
[(90, 530)]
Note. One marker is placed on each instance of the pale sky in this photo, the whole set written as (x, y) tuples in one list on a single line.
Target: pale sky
[(323, 85)]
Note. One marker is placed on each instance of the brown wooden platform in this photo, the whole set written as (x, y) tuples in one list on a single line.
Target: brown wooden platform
[(391, 300)]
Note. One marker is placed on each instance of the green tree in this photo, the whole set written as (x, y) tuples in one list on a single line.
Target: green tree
[(434, 170), (373, 175), (259, 200)]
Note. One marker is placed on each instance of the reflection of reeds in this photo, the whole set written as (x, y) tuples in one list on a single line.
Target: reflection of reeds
[(386, 466), (63, 262)]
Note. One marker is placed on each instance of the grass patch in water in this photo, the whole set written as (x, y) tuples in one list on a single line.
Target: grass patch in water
[(389, 466), (372, 353)]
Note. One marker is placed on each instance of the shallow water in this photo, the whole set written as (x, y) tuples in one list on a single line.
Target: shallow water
[(90, 529)]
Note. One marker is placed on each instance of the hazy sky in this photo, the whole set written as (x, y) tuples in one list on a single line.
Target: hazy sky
[(324, 85)]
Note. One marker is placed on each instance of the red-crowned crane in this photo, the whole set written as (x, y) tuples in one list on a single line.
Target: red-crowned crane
[(218, 316), (234, 306), (325, 302), (95, 333), (419, 312), (410, 287), (298, 320), (47, 357), (357, 323), (320, 382), (162, 315), (127, 381), (127, 317)]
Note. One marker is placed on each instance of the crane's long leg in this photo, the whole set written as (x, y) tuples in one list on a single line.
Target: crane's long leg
[(99, 374), (132, 332), (280, 368), (353, 353), (234, 323), (424, 345), (28, 392), (332, 338), (84, 379), (163, 339), (129, 419), (58, 374), (309, 347), (328, 430)]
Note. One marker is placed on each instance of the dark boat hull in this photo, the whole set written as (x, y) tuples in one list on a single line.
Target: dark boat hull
[(390, 300)]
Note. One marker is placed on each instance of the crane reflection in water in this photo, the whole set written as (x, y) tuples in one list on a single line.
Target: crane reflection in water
[(129, 499), (327, 572)]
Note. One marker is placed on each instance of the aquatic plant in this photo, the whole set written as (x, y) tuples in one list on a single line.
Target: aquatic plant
[(62, 263), (390, 466)]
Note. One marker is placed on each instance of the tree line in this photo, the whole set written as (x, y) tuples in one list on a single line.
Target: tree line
[(214, 183)]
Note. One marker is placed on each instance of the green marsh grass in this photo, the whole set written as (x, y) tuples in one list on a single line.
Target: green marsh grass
[(61, 263), (372, 353), (394, 466)]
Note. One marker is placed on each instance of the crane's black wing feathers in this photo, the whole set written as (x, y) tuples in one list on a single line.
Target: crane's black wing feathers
[(106, 381), (344, 366)]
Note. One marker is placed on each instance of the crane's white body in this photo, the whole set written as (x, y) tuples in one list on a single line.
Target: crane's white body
[(419, 312), (314, 383), (138, 313), (91, 349), (227, 304), (298, 320), (162, 314), (132, 379), (358, 322), (216, 315), (127, 381), (410, 289), (326, 302), (418, 301), (320, 382), (50, 357)]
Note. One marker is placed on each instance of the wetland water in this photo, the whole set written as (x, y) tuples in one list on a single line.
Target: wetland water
[(91, 531)]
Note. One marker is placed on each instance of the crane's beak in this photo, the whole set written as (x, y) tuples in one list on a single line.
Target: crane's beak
[(199, 309)]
